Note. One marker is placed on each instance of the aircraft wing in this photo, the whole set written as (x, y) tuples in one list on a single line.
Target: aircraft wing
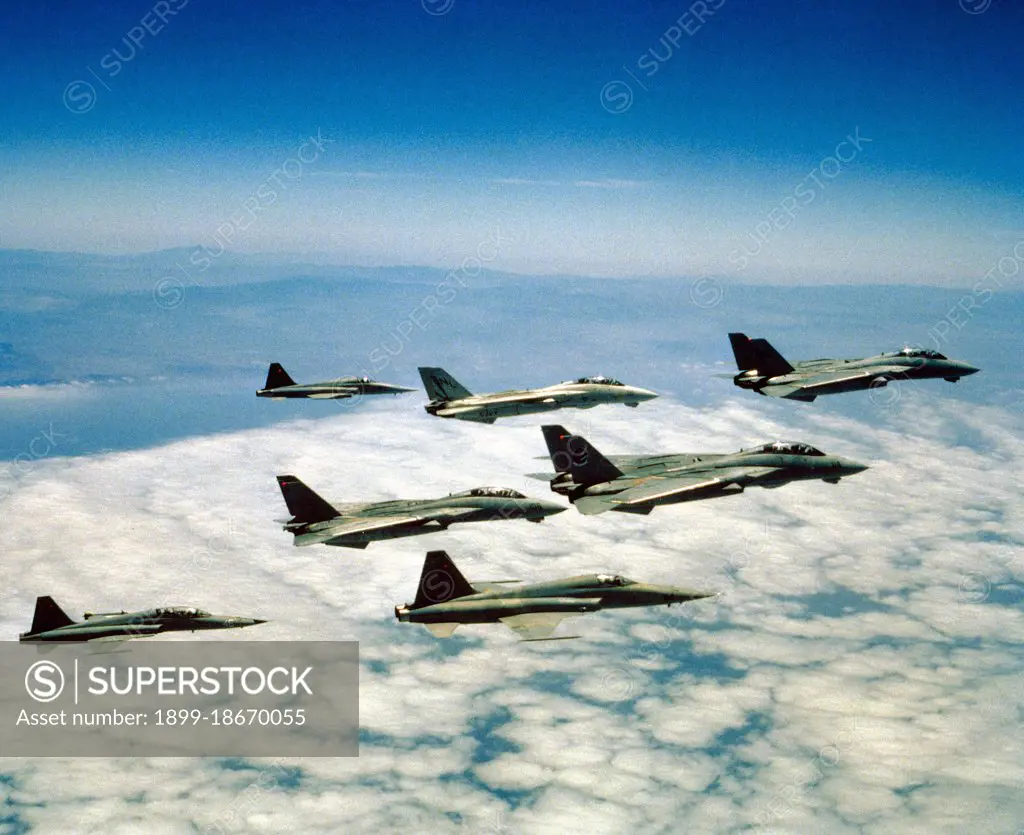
[(337, 394), (829, 379), (536, 626), (689, 489), (142, 630), (354, 525), (525, 397), (465, 413)]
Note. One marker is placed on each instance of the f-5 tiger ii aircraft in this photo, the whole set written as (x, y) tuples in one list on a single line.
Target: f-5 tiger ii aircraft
[(450, 399), (445, 600), (280, 386), (51, 624), (764, 370), (314, 521), (638, 483)]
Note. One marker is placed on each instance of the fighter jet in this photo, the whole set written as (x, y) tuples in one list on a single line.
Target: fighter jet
[(281, 386), (51, 624), (445, 600), (450, 399), (314, 521), (763, 369), (638, 483)]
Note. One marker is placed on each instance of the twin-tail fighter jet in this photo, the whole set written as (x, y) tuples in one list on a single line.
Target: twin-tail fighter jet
[(51, 624), (639, 483), (445, 600), (764, 370), (280, 386), (315, 522), (450, 399)]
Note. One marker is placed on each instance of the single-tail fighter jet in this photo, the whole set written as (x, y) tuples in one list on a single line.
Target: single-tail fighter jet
[(764, 370), (280, 386), (51, 624), (445, 600), (450, 399), (314, 521), (638, 483)]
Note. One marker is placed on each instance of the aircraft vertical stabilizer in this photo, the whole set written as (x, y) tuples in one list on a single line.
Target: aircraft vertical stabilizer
[(277, 377), (304, 504), (575, 455), (442, 386), (758, 355), (440, 581), (48, 616)]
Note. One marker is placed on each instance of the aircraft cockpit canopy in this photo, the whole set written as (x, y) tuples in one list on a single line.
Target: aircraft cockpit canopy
[(787, 448), (922, 353), (599, 380), (182, 612), (613, 580), (494, 492)]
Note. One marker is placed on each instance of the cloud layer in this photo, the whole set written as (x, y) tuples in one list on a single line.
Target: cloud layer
[(861, 671)]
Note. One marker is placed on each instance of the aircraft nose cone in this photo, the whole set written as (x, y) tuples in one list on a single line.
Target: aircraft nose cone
[(643, 394), (968, 369), (851, 467), (551, 508), (681, 595)]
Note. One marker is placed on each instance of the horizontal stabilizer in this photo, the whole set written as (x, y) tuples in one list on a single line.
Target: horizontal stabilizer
[(593, 505), (639, 509), (789, 393)]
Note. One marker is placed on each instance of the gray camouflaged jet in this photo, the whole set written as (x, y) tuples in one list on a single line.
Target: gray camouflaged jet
[(764, 370), (51, 624), (315, 522), (445, 600), (639, 483), (450, 399), (280, 386)]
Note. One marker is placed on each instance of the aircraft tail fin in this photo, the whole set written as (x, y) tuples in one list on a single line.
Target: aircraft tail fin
[(277, 377), (442, 386), (575, 455), (304, 504), (48, 616), (440, 581), (758, 355)]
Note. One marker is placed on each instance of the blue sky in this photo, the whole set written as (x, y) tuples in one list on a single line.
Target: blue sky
[(440, 123)]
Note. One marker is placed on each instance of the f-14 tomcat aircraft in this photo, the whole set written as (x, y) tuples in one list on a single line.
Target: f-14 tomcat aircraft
[(449, 398), (763, 369), (280, 386), (445, 600), (314, 521), (50, 623), (638, 483)]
